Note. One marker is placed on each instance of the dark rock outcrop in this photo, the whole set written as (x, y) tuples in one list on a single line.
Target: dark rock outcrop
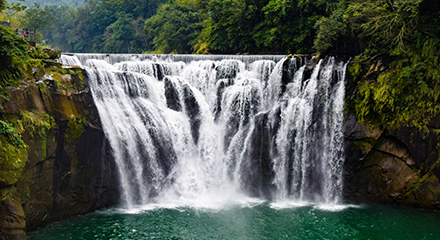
[(158, 71), (257, 163), (192, 109), (398, 166), (222, 84), (288, 71), (172, 95), (187, 104)]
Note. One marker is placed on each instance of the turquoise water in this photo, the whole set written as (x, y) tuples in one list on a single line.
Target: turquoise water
[(262, 221)]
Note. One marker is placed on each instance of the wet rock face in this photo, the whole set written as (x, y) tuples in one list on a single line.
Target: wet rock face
[(222, 84), (187, 104), (288, 71), (257, 164), (172, 95), (192, 109), (69, 169), (158, 71), (77, 177), (393, 166)]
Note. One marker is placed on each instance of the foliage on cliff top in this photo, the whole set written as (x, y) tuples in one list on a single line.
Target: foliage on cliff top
[(404, 36), (232, 26), (13, 55), (17, 56), (97, 26), (30, 3), (187, 26), (236, 26), (173, 29)]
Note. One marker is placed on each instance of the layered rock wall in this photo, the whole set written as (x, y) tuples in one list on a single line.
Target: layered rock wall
[(68, 170), (398, 166)]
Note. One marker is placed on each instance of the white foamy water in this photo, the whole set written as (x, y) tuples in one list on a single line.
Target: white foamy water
[(218, 131)]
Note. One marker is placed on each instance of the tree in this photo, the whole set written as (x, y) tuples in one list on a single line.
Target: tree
[(174, 28), (120, 35), (229, 25), (398, 35), (83, 34), (97, 26), (385, 24), (8, 10), (37, 18), (59, 35), (13, 53)]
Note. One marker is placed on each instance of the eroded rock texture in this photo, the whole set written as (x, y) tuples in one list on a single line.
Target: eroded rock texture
[(392, 166)]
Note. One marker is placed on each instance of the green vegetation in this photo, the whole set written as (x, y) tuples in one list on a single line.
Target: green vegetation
[(13, 55), (180, 26), (401, 39), (13, 154), (30, 3), (11, 135), (75, 128), (99, 26), (232, 26), (34, 123), (394, 44), (36, 19), (174, 28), (12, 162)]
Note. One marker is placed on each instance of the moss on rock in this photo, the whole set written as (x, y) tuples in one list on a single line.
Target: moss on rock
[(75, 128), (33, 122), (12, 162)]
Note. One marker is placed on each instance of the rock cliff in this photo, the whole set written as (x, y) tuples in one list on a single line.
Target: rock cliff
[(398, 166), (389, 164), (66, 169)]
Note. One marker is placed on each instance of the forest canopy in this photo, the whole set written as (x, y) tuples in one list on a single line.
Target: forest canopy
[(30, 3), (232, 26), (401, 38)]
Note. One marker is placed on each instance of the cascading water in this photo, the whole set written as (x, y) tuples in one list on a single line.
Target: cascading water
[(207, 130)]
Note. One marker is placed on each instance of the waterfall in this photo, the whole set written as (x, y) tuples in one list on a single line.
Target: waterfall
[(202, 130)]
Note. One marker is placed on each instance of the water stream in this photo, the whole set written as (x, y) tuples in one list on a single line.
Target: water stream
[(213, 131)]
